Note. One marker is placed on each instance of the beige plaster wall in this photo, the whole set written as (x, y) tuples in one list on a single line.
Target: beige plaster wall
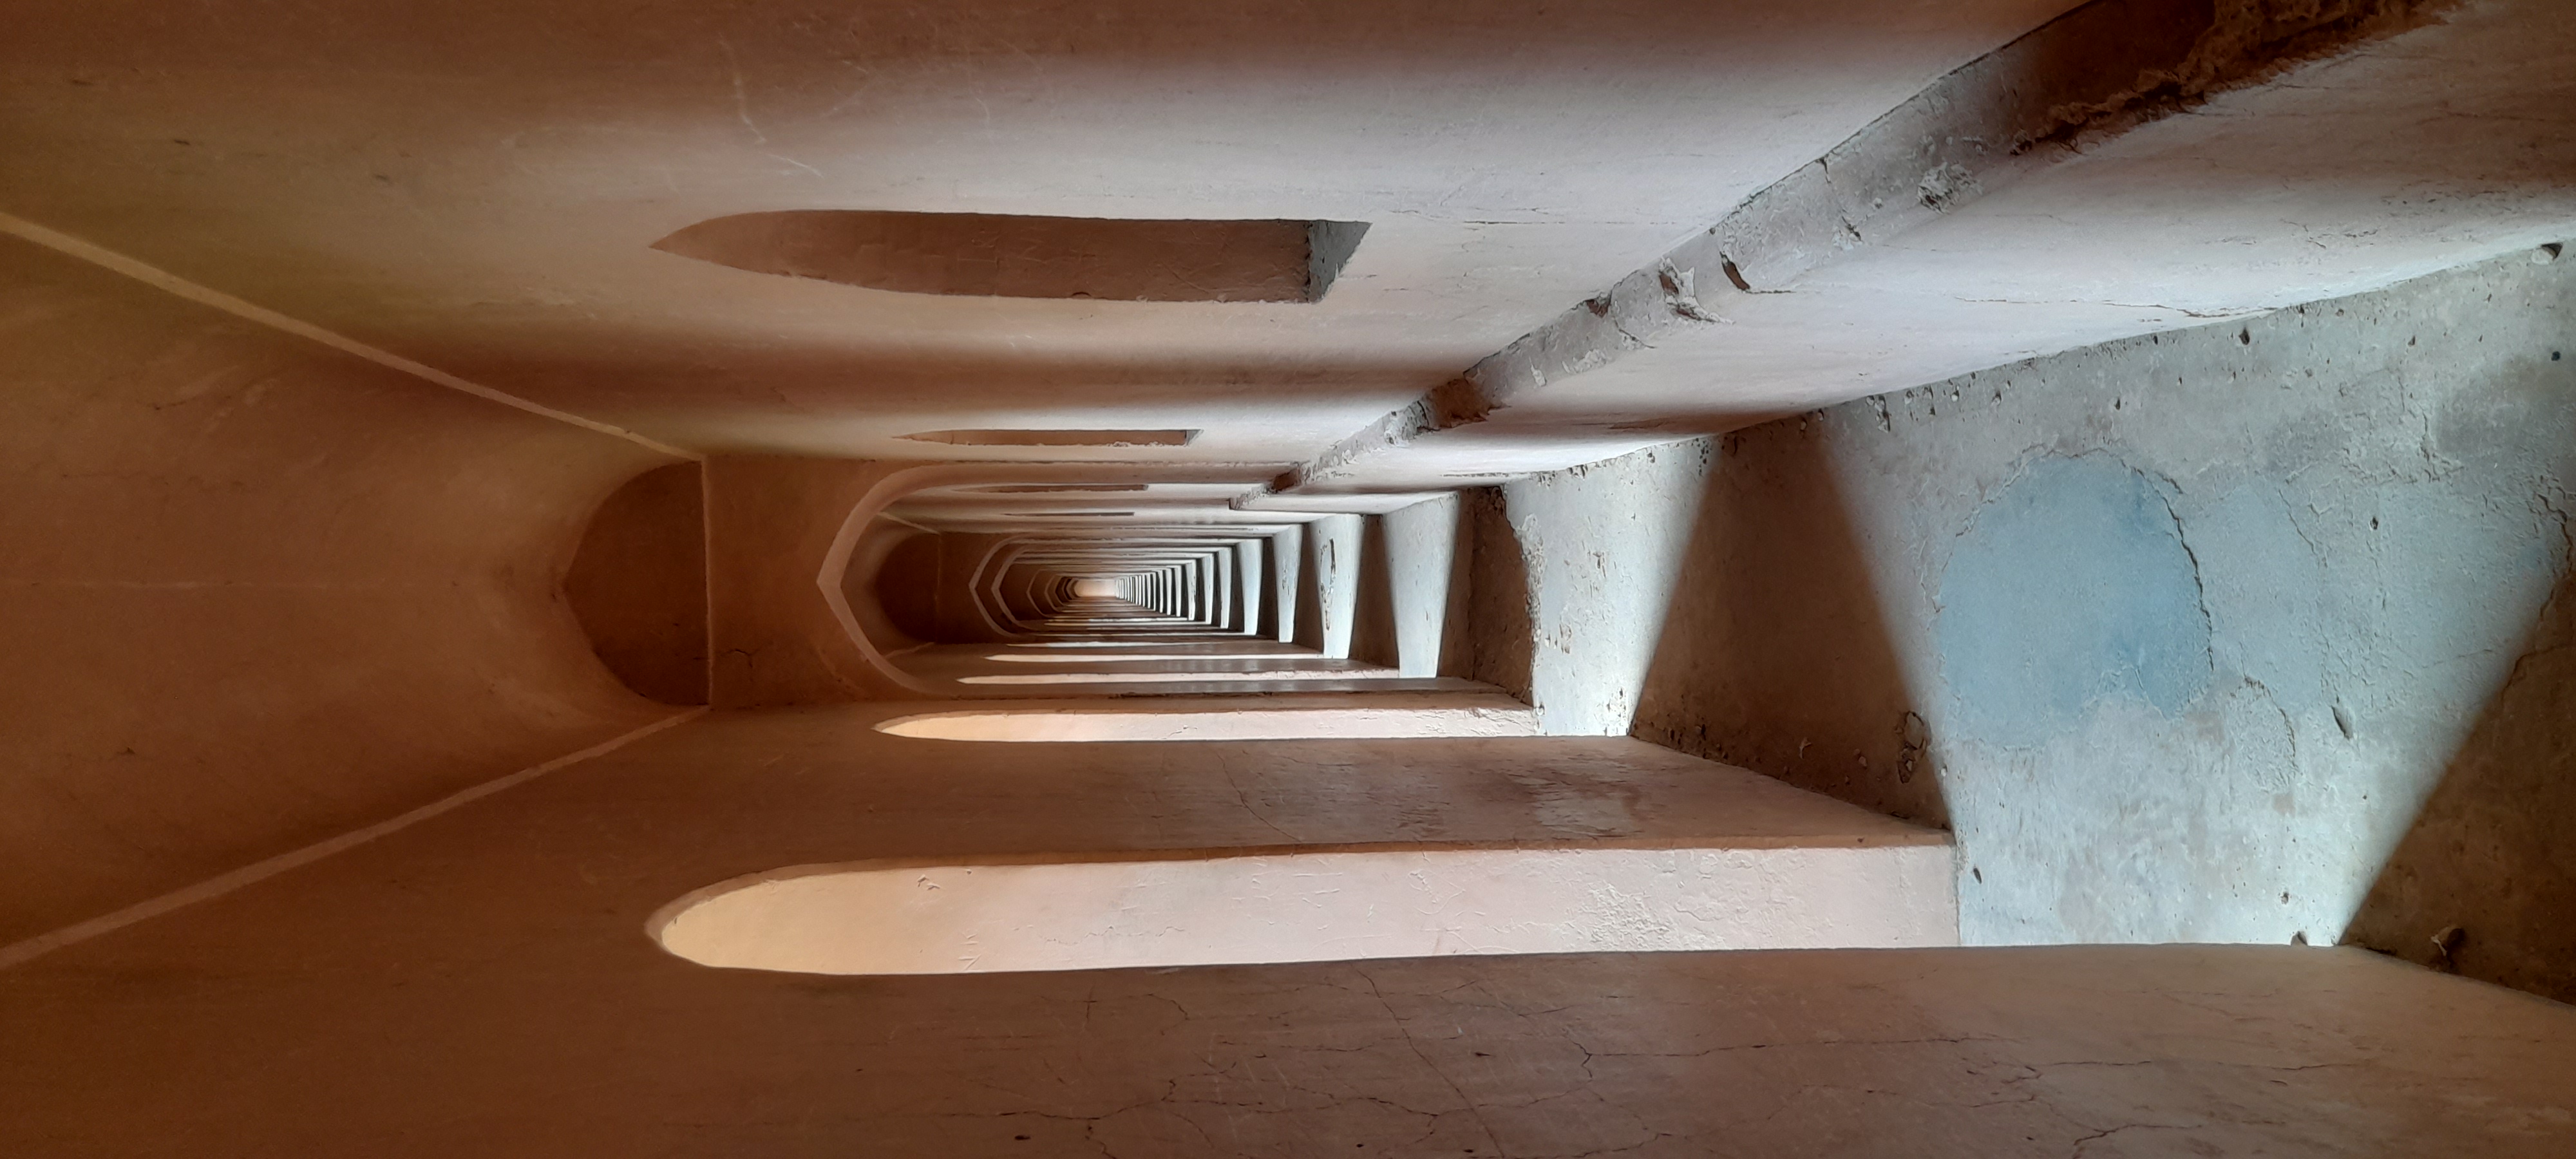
[(874, 587), (771, 522), (639, 584), (261, 592), (2484, 883), (964, 560)]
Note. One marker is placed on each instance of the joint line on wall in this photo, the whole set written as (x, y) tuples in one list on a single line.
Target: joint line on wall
[(164, 280), (218, 886)]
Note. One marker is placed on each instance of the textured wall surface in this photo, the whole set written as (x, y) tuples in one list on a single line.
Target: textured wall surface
[(1373, 631), (1286, 551), (1306, 624), (1496, 643), (262, 592), (1775, 652), (1332, 579), (1602, 546), (2178, 633), (964, 561), (2485, 881), (1251, 585)]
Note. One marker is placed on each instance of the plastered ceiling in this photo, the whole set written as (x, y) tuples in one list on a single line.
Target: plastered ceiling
[(478, 186)]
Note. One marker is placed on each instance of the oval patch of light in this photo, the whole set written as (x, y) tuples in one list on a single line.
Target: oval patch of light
[(1048, 725), (1183, 677), (1309, 906)]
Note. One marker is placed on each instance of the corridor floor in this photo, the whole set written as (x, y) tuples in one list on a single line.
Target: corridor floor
[(483, 984)]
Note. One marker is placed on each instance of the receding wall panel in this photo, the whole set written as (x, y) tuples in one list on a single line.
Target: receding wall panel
[(1495, 645), (2242, 633), (1333, 547), (262, 592), (905, 583), (771, 524), (1601, 547), (639, 584), (1285, 551), (1373, 608), (1428, 574)]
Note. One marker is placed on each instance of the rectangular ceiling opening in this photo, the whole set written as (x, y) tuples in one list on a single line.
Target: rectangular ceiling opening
[(1051, 488), (1016, 256), (1035, 438)]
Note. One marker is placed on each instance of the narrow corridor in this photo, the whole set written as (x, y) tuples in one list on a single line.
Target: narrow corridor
[(1165, 579)]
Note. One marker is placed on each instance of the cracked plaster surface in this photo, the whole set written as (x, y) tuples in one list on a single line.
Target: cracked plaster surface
[(2364, 497)]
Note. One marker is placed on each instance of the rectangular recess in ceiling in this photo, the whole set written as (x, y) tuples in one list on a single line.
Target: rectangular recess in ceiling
[(1020, 256), (1050, 488), (1027, 438)]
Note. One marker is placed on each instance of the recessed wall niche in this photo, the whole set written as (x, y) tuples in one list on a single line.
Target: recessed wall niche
[(1013, 256)]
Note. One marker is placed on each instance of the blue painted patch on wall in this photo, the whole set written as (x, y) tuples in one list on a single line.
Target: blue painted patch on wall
[(2071, 587)]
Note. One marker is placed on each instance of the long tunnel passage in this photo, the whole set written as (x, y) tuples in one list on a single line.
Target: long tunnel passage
[(1180, 578)]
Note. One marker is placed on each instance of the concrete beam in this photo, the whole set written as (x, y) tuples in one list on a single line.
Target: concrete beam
[(2132, 167)]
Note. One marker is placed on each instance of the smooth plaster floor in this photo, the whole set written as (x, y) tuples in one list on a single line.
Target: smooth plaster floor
[(481, 984)]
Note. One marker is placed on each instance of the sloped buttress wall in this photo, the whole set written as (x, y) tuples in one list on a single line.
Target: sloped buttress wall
[(2180, 634), (261, 592)]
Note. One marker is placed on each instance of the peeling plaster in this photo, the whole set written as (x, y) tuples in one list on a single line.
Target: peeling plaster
[(2195, 622)]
